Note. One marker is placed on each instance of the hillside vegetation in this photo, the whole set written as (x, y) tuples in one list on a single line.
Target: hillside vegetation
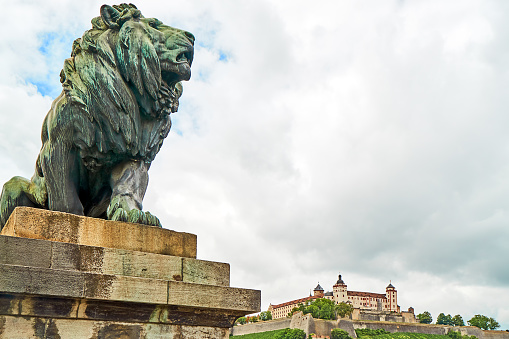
[(404, 335), (272, 334), (262, 335)]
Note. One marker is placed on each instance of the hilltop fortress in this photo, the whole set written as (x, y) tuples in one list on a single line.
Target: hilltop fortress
[(367, 305)]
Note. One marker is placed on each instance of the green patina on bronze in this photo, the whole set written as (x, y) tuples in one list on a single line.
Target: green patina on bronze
[(120, 86)]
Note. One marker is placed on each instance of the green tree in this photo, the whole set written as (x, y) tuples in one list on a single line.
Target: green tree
[(265, 315), (339, 334), (282, 334), (343, 309), (483, 322), (294, 310), (291, 334), (241, 321), (327, 312), (457, 320), (367, 332), (300, 308), (443, 319), (321, 309), (253, 319), (454, 335), (425, 317), (296, 333), (314, 310)]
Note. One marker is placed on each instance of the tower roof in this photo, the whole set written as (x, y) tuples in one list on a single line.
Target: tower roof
[(340, 281), (390, 286), (318, 288)]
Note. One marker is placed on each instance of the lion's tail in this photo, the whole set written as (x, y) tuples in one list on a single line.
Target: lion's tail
[(22, 192)]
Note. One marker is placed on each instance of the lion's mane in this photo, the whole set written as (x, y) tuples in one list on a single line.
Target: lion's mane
[(119, 107)]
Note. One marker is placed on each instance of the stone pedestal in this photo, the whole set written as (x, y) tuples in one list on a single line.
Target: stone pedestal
[(66, 276)]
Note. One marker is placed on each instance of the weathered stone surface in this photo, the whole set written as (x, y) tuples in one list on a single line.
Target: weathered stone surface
[(262, 326), (34, 280), (64, 227), (101, 260), (51, 282), (51, 286), (205, 272), (16, 251), (52, 328), (323, 327), (130, 263), (230, 298), (31, 305), (114, 287), (79, 308)]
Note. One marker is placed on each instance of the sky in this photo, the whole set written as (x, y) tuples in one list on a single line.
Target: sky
[(368, 138)]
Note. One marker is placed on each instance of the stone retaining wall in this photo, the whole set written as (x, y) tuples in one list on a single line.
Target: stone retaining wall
[(323, 327), (262, 326), (430, 329)]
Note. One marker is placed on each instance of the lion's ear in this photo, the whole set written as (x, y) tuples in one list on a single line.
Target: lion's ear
[(110, 16)]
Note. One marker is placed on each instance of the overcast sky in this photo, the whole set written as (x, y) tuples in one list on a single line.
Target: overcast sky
[(369, 138)]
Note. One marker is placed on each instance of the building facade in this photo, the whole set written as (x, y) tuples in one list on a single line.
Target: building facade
[(387, 302)]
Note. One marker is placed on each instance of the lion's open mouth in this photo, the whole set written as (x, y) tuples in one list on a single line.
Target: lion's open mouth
[(170, 78), (177, 67), (186, 56)]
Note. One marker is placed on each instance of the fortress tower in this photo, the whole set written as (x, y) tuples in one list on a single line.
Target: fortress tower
[(318, 291), (339, 291), (392, 297)]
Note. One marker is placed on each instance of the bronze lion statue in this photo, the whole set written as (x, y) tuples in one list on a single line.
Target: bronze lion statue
[(120, 86)]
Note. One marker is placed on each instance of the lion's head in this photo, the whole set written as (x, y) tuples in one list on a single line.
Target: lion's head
[(120, 86), (123, 81)]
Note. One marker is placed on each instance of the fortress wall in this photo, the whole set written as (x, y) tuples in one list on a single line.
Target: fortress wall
[(262, 326), (324, 327), (496, 335), (431, 329), (370, 315), (401, 327)]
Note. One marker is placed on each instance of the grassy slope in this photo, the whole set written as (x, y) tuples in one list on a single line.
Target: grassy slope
[(408, 336), (270, 335), (261, 335)]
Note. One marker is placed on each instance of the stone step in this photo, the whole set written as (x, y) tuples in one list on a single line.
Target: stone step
[(36, 223), (15, 279), (34, 327), (101, 260), (77, 308)]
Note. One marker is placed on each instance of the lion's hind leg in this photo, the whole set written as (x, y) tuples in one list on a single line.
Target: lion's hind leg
[(21, 192)]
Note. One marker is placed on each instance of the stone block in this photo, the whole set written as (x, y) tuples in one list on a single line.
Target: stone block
[(194, 295), (35, 327), (92, 309), (130, 263), (101, 260), (15, 251), (30, 305), (34, 280), (205, 272), (121, 288), (75, 284), (64, 227)]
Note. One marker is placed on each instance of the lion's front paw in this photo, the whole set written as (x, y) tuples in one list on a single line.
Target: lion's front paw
[(117, 212)]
